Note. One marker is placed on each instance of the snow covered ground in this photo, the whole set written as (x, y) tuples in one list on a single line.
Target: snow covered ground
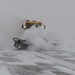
[(69, 45), (54, 62)]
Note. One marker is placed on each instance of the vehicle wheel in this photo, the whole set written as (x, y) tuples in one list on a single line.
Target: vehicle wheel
[(37, 26), (22, 26)]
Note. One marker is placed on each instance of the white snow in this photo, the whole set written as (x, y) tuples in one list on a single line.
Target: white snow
[(4, 71), (29, 58), (64, 69)]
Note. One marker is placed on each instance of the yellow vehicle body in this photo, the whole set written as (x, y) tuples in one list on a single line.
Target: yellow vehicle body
[(31, 22), (28, 24)]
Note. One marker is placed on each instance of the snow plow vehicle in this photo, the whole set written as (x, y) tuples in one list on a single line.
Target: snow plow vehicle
[(23, 44), (28, 24)]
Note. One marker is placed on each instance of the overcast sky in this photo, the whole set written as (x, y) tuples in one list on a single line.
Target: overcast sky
[(58, 15)]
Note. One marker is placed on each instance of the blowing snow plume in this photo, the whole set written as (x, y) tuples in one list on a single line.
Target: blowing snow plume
[(40, 39)]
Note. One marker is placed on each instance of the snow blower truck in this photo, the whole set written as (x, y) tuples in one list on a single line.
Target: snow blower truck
[(28, 24), (23, 44)]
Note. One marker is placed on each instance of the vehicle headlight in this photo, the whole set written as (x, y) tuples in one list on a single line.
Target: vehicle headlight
[(24, 26), (42, 26)]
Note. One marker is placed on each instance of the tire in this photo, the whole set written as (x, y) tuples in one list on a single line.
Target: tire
[(37, 26), (22, 26)]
